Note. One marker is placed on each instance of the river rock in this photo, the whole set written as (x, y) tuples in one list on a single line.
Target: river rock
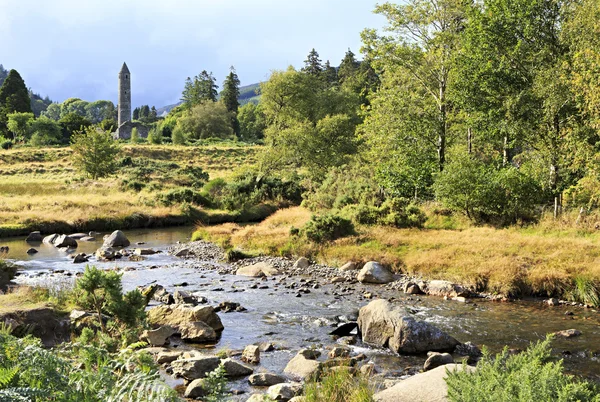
[(184, 252), (183, 297), (197, 332), (65, 241), (552, 302), (88, 238), (302, 263), (105, 253), (284, 391), (568, 333), (265, 379), (116, 239), (177, 314), (234, 368), (382, 324), (80, 258), (412, 288), (435, 359), (167, 357), (194, 368), (445, 289), (34, 237), (374, 272), (258, 270), (144, 251), (424, 387), (50, 238), (345, 329), (32, 251), (338, 351), (251, 354), (196, 389), (302, 367), (349, 266), (157, 337), (78, 236)]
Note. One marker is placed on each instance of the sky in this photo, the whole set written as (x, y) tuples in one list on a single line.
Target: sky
[(75, 48)]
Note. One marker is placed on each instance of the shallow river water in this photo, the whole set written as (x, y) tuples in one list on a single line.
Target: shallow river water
[(275, 315)]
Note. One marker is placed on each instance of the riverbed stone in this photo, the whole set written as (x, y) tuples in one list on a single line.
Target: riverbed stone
[(80, 258), (105, 253), (183, 297), (285, 391), (258, 270), (568, 333), (301, 368), (338, 351), (176, 315), (424, 387), (50, 238), (197, 332), (266, 379), (302, 263), (349, 266), (159, 336), (445, 289), (32, 251), (77, 236), (382, 324), (345, 329), (88, 239), (167, 357), (144, 251), (436, 359), (196, 389), (251, 354), (412, 288), (374, 272), (194, 368), (65, 241), (34, 237), (116, 239), (233, 368)]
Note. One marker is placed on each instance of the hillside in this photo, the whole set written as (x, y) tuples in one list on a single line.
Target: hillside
[(248, 93)]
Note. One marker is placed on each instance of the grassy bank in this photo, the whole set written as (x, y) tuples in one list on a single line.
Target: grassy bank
[(41, 190), (514, 261)]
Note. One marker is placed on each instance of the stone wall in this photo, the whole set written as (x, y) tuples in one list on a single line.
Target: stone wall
[(124, 130)]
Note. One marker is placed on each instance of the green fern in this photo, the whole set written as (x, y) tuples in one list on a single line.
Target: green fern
[(7, 375)]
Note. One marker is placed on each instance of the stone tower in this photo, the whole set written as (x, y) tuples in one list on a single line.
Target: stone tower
[(124, 95)]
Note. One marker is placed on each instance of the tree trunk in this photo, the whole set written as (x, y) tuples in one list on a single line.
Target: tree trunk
[(505, 151), (443, 123), (469, 141)]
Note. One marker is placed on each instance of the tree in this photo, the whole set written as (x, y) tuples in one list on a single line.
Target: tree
[(14, 97), (52, 112), (312, 64), (3, 74), (202, 88), (206, 120), (45, 131), (229, 97), (348, 67), (18, 125), (153, 114), (330, 75), (72, 122), (99, 110), (144, 112), (135, 136), (252, 122), (95, 152), (425, 38), (136, 113)]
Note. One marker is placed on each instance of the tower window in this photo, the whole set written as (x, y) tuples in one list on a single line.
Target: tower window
[(126, 76)]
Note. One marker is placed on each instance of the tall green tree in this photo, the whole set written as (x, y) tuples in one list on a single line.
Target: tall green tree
[(18, 125), (348, 67), (229, 98), (201, 88), (330, 75), (136, 113), (14, 97), (313, 64), (95, 152), (424, 36), (3, 74)]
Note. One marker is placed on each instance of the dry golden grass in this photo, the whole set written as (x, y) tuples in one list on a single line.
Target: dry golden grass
[(506, 261)]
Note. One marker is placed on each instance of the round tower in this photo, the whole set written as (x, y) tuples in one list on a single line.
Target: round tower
[(124, 112)]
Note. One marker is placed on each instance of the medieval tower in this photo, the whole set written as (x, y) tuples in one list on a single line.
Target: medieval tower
[(124, 113)]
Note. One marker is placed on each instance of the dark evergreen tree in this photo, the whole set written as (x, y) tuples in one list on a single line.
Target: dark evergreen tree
[(153, 113), (3, 74), (14, 97), (312, 64), (229, 98), (348, 67), (144, 112), (330, 75), (201, 89), (136, 113)]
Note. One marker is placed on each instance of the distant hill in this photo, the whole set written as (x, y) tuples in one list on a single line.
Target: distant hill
[(248, 93)]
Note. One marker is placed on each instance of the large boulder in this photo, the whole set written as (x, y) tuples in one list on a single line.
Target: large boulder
[(197, 332), (176, 315), (374, 272), (258, 270), (382, 324), (265, 379), (50, 238), (116, 239), (65, 241), (34, 237), (303, 366), (105, 253), (444, 289), (234, 368), (157, 337), (284, 392), (196, 389), (194, 368), (435, 359), (424, 387)]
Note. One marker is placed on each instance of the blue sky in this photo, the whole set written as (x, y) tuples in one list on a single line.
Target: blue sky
[(75, 48)]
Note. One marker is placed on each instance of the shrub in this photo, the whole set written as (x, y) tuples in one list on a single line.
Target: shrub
[(182, 195), (528, 376), (155, 136), (95, 152), (234, 254), (135, 136), (326, 228), (177, 136), (339, 386), (396, 212), (5, 143)]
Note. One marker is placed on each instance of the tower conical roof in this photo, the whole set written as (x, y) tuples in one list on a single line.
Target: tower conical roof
[(124, 69)]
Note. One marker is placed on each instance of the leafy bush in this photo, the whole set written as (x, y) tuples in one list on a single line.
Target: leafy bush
[(5, 143), (396, 212), (94, 152), (182, 195), (327, 228), (485, 194), (216, 385), (528, 376)]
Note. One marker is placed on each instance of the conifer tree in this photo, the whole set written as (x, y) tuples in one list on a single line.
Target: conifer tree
[(200, 89), (312, 64), (14, 97), (348, 67), (136, 113), (229, 98), (330, 75)]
